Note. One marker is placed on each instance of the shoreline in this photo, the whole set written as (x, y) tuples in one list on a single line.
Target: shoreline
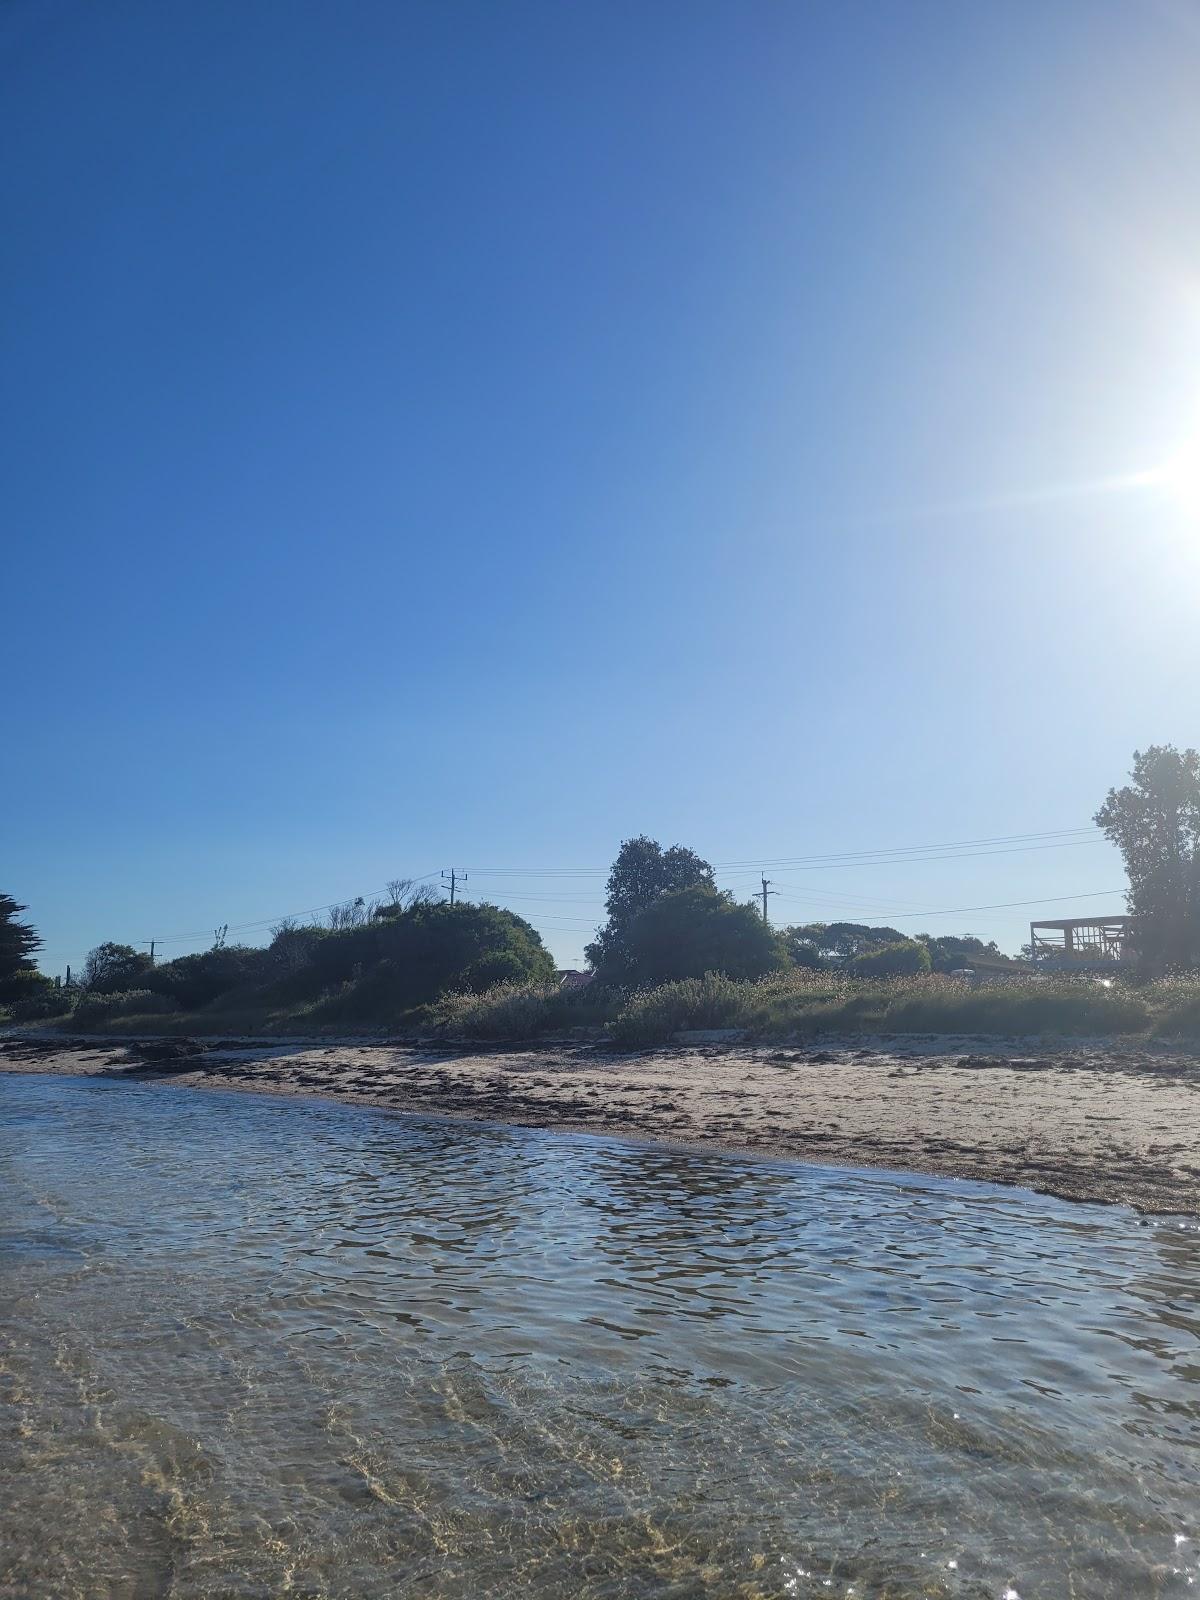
[(1084, 1121)]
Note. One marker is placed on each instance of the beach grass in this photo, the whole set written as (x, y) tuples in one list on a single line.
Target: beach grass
[(796, 1005), (809, 1004)]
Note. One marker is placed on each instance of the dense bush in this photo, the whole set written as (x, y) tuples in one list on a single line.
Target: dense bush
[(293, 944), (904, 959), (21, 985), (689, 932), (193, 981), (24, 984), (382, 970), (50, 1000), (133, 1003), (435, 948)]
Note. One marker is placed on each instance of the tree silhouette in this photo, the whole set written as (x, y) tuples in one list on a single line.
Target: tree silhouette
[(1155, 823), (642, 872), (18, 942)]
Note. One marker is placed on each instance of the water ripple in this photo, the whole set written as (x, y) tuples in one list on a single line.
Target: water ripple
[(252, 1348)]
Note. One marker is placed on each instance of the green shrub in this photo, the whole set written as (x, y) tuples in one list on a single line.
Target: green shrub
[(193, 981), (689, 932), (521, 1010), (50, 1001), (904, 959), (420, 952), (23, 983), (132, 1003), (652, 1016), (436, 948), (30, 996), (378, 998)]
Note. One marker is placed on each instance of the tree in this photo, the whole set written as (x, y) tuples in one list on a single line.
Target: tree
[(350, 914), (904, 959), (688, 932), (803, 947), (641, 873), (1155, 823), (18, 942), (836, 943), (113, 968), (405, 892), (949, 951)]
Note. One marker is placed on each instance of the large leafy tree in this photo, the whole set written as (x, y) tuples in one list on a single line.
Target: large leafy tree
[(947, 951), (113, 968), (1155, 823), (18, 942), (688, 932), (818, 944), (641, 873)]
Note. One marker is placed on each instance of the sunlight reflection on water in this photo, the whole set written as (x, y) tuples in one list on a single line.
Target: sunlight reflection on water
[(250, 1348)]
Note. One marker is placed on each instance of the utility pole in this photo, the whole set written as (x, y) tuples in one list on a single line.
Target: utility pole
[(152, 944), (766, 890), (453, 879)]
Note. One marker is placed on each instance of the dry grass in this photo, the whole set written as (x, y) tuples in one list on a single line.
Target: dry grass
[(522, 1011), (804, 1004), (796, 1004)]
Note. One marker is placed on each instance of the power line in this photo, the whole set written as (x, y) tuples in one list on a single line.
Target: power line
[(1016, 839), (1001, 905), (963, 849), (867, 857), (816, 865), (1005, 905)]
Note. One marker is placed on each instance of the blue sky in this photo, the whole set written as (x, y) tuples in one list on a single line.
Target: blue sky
[(470, 434)]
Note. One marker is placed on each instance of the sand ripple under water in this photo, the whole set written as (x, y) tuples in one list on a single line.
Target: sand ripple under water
[(252, 1347)]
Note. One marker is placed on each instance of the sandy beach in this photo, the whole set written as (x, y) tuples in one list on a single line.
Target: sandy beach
[(1091, 1122)]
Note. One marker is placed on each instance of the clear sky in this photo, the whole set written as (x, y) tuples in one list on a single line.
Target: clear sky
[(469, 434)]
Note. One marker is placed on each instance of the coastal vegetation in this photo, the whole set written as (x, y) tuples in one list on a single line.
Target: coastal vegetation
[(800, 1005), (674, 954)]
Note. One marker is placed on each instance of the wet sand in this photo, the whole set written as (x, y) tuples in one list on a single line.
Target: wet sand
[(1093, 1122)]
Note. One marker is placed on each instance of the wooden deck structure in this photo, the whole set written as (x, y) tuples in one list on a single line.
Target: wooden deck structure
[(1079, 944)]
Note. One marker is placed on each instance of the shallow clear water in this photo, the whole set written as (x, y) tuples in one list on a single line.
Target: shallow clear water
[(252, 1348)]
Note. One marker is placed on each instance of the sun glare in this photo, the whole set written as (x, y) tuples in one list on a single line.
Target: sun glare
[(1180, 477)]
